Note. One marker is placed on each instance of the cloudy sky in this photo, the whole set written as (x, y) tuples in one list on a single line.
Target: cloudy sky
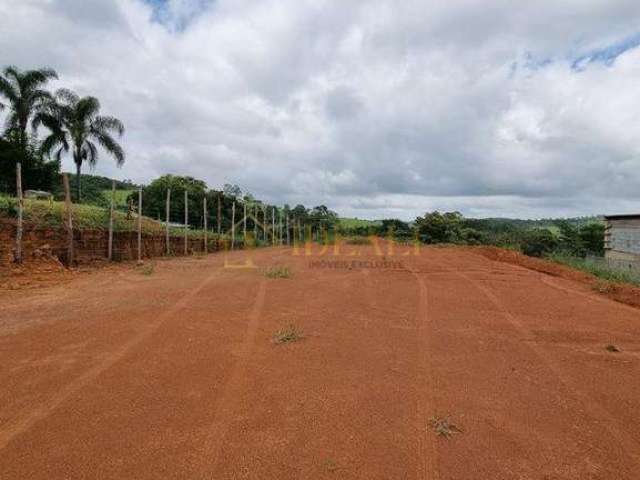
[(375, 108)]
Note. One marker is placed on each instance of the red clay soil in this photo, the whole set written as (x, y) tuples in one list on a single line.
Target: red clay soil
[(173, 373), (619, 292)]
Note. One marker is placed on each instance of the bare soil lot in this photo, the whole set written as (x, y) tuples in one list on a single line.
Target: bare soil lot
[(173, 372)]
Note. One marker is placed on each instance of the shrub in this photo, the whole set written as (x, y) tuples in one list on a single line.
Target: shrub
[(538, 242)]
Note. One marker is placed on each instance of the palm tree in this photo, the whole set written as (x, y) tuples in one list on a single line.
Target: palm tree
[(26, 97), (74, 123)]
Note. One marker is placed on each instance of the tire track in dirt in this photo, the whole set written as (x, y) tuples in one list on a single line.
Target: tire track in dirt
[(225, 406), (428, 466), (629, 445), (21, 425)]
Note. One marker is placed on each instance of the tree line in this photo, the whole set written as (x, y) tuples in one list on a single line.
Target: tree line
[(220, 207)]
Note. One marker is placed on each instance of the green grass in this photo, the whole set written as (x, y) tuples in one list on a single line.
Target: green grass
[(85, 217), (147, 269), (278, 272), (121, 197), (601, 271), (357, 222)]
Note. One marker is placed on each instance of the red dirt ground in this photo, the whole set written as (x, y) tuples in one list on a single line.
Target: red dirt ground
[(121, 375)]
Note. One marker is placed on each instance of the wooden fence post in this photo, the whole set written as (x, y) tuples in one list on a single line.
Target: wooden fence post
[(286, 219), (219, 214), (140, 225), (273, 225), (113, 199), (18, 255), (233, 225), (204, 207), (244, 223), (167, 221), (255, 223), (69, 222), (186, 222)]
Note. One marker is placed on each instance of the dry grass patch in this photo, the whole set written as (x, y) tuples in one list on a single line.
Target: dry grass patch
[(443, 427), (147, 269), (288, 334)]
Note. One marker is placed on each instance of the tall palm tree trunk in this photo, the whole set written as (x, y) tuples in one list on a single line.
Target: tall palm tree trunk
[(78, 183)]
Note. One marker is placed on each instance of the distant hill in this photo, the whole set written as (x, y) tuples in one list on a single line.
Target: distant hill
[(101, 183)]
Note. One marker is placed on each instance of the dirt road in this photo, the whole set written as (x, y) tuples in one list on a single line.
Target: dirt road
[(174, 374)]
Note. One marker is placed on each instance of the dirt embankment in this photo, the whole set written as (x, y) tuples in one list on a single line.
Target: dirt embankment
[(619, 292)]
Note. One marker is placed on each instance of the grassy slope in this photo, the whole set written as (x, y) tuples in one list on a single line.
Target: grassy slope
[(600, 270), (85, 217), (121, 196)]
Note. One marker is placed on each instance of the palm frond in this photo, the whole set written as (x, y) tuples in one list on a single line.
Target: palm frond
[(108, 124), (7, 89), (87, 108), (112, 147), (90, 153), (67, 96), (31, 79), (13, 72), (53, 141)]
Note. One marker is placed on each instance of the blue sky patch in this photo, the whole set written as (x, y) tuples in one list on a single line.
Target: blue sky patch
[(177, 14), (606, 55)]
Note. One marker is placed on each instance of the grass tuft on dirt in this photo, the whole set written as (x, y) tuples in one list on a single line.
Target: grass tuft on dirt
[(278, 272), (358, 241), (443, 427), (330, 465), (147, 269), (288, 334)]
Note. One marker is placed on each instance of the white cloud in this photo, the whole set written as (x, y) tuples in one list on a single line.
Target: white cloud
[(373, 108)]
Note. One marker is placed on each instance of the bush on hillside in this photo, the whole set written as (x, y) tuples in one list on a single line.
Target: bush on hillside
[(538, 242)]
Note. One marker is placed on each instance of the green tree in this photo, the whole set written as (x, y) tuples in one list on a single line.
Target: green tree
[(154, 198), (396, 228), (25, 97), (436, 227), (538, 242), (75, 124), (592, 238), (37, 174)]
